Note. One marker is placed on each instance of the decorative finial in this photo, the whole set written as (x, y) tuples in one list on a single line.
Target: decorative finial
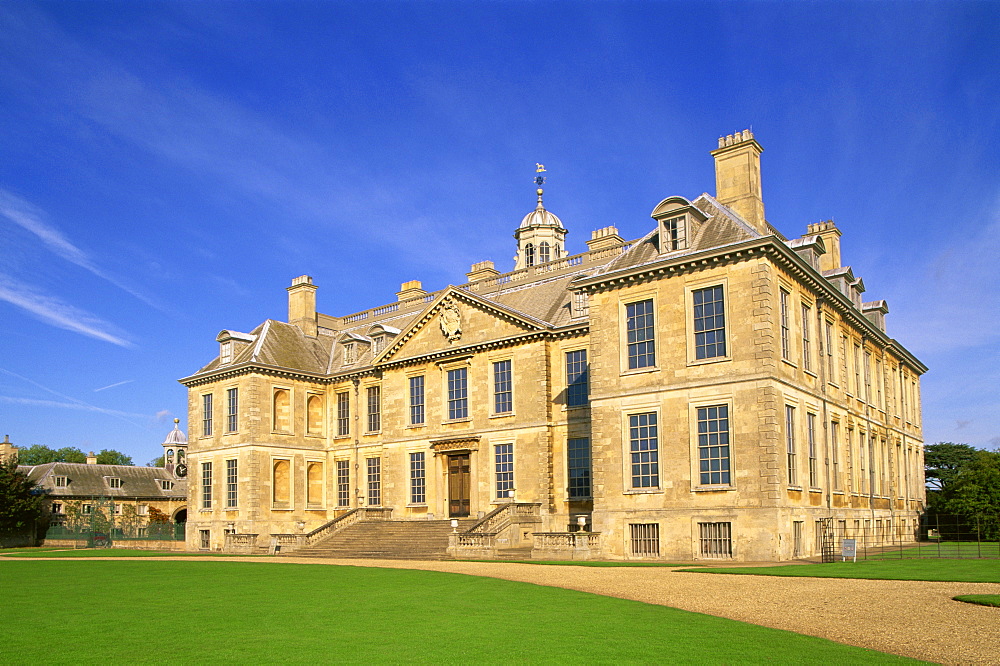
[(539, 181), (176, 421)]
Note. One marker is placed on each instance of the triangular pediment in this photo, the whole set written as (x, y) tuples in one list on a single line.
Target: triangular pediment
[(456, 319)]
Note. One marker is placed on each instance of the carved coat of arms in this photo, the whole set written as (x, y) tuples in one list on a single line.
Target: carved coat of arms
[(451, 321)]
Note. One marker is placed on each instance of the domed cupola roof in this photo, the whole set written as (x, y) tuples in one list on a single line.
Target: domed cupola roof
[(176, 436), (540, 217)]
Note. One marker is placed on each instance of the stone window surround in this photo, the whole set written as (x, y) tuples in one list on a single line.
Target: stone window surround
[(291, 409), (623, 302), (689, 288), (726, 399), (443, 368), (626, 459)]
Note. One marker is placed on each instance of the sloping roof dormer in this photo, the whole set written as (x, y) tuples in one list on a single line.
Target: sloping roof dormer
[(678, 223)]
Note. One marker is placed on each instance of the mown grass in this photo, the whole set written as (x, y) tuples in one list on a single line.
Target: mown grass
[(963, 571), (931, 549), (981, 599), (109, 552), (129, 611)]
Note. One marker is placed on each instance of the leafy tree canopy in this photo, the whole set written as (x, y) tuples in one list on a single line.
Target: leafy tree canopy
[(112, 457), (20, 500), (39, 454), (155, 462), (943, 462)]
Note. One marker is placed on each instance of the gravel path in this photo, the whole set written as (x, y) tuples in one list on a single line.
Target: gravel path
[(911, 618)]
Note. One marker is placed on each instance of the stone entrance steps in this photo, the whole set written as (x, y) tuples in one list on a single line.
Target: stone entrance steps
[(388, 539)]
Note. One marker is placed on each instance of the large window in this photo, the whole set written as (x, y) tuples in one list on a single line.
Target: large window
[(709, 323), (374, 466), (417, 400), (806, 340), (231, 483), (529, 255), (813, 461), (715, 540), (374, 408), (645, 538), (458, 394), (828, 328), (343, 483), (577, 389), (232, 409), (206, 415), (578, 466), (343, 414), (206, 485), (641, 339), (835, 453), (418, 478), (643, 449), (281, 484), (673, 235), (503, 455), (783, 314), (793, 477), (713, 445), (503, 388), (544, 253)]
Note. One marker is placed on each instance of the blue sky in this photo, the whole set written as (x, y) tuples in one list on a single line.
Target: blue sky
[(167, 168)]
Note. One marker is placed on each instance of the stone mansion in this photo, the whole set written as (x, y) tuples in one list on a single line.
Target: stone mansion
[(710, 390)]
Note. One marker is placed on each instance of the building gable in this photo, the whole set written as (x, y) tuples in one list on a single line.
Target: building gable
[(458, 319)]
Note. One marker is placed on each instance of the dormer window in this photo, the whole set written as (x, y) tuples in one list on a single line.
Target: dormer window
[(350, 355), (226, 352), (61, 481), (166, 485), (673, 234), (581, 304), (114, 482), (378, 343)]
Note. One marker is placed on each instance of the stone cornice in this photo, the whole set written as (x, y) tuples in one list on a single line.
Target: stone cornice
[(769, 247)]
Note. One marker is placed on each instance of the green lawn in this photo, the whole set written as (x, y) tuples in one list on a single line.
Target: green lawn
[(584, 563), (964, 571), (134, 611), (108, 552), (981, 599), (951, 549)]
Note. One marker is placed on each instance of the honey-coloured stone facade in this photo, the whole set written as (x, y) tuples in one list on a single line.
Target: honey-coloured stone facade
[(738, 398)]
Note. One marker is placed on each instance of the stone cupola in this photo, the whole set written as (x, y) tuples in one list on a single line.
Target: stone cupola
[(175, 451), (541, 236)]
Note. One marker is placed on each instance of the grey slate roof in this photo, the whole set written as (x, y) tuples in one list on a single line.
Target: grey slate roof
[(91, 480)]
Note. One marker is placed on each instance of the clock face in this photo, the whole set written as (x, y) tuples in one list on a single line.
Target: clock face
[(181, 470)]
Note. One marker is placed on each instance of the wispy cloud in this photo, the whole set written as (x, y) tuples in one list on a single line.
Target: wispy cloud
[(105, 388), (70, 405), (55, 312), (31, 218)]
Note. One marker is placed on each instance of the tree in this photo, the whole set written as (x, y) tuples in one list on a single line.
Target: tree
[(974, 492), (943, 461), (39, 454), (21, 500), (112, 457), (155, 462)]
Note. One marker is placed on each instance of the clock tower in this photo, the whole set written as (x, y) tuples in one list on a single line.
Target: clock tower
[(175, 452)]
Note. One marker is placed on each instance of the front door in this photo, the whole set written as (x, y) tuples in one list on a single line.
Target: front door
[(458, 485)]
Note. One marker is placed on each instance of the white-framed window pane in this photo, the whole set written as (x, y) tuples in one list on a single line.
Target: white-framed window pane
[(503, 387), (504, 468), (577, 380), (644, 450), (417, 400), (793, 476), (418, 478), (231, 483), (206, 485), (709, 323), (713, 445), (374, 466), (232, 409), (578, 467), (458, 394), (641, 338), (343, 483), (343, 414), (374, 408), (206, 415)]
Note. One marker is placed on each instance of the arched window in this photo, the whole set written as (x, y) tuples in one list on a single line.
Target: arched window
[(544, 256), (170, 456), (180, 456), (314, 485), (282, 416), (281, 491), (314, 424), (529, 255)]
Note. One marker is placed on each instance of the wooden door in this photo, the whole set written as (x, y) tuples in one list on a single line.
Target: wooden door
[(459, 485)]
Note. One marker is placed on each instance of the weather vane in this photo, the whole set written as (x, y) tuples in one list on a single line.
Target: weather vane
[(539, 169)]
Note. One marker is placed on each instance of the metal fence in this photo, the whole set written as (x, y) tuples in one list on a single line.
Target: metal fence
[(101, 522), (934, 536)]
